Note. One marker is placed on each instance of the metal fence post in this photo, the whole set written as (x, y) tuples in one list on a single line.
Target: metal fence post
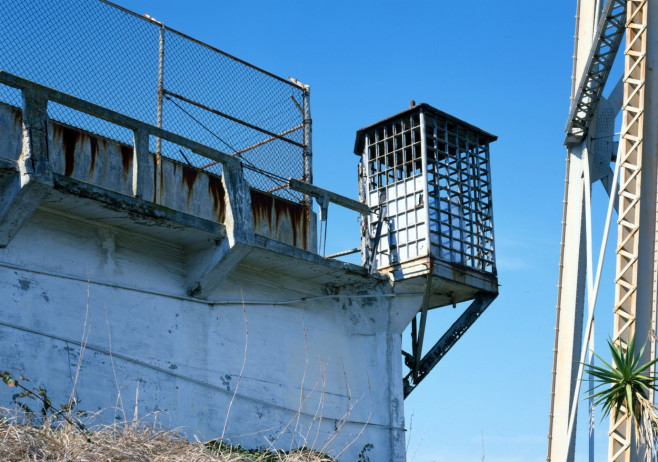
[(308, 148), (157, 161), (307, 153), (161, 55)]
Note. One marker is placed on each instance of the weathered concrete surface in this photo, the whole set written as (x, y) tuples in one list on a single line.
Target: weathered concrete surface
[(195, 294), (25, 174), (107, 164), (187, 306), (312, 344)]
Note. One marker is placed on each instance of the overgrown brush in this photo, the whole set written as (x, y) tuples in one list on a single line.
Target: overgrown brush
[(56, 440)]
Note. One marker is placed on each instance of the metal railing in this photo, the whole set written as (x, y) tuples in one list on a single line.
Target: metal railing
[(133, 65)]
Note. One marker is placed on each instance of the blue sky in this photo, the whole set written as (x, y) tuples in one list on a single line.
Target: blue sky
[(503, 66)]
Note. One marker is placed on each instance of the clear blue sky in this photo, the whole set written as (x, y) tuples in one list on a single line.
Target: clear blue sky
[(503, 66)]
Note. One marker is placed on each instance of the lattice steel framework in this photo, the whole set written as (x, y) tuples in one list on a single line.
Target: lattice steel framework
[(637, 247), (629, 205), (609, 34), (133, 64)]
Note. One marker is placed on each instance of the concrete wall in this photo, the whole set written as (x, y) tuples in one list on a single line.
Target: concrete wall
[(108, 164), (278, 344), (63, 278), (136, 283)]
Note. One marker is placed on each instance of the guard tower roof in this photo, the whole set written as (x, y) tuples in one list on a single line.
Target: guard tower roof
[(360, 134)]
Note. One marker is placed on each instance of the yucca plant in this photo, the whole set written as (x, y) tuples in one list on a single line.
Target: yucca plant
[(627, 384)]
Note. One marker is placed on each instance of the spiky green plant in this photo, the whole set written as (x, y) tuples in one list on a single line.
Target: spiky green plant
[(627, 384)]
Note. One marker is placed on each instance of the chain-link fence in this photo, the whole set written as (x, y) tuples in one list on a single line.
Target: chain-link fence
[(132, 64)]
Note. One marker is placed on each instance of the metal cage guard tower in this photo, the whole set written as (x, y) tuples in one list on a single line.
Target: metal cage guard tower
[(631, 186), (427, 178)]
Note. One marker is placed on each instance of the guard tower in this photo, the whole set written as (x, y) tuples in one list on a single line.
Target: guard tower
[(426, 176)]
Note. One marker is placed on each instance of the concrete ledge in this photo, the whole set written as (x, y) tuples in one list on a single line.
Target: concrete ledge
[(137, 209)]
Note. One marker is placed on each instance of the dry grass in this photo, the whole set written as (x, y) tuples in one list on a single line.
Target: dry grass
[(127, 441)]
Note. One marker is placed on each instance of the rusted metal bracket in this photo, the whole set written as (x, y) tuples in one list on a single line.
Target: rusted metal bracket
[(445, 343)]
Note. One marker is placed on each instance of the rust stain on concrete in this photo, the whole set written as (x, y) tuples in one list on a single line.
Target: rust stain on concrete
[(261, 209), (189, 178), (297, 220), (273, 210), (156, 167), (190, 175), (18, 119), (218, 194), (126, 158), (93, 144), (70, 139)]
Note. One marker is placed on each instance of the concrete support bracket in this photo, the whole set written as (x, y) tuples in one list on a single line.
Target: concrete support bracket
[(143, 170), (34, 157), (25, 183), (207, 268)]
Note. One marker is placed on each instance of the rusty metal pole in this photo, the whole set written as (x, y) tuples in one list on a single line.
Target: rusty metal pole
[(308, 149), (307, 153), (161, 54)]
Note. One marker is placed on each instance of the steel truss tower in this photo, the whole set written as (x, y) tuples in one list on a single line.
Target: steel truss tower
[(631, 186)]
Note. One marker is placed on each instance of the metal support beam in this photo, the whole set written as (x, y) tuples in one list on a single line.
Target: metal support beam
[(316, 191), (569, 308), (448, 340)]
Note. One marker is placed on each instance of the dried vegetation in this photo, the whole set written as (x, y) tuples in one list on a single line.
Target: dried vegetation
[(57, 441)]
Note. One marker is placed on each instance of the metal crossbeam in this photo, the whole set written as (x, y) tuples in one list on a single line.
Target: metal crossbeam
[(609, 34), (330, 196)]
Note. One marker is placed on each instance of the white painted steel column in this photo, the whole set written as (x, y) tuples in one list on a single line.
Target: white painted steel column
[(569, 316), (571, 281)]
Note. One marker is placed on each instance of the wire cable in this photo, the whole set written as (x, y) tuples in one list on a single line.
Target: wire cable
[(169, 98), (276, 179)]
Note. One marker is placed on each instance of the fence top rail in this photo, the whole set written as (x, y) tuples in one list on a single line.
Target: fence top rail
[(291, 82), (114, 117)]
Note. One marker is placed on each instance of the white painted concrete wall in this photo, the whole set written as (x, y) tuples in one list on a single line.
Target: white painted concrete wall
[(332, 355)]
